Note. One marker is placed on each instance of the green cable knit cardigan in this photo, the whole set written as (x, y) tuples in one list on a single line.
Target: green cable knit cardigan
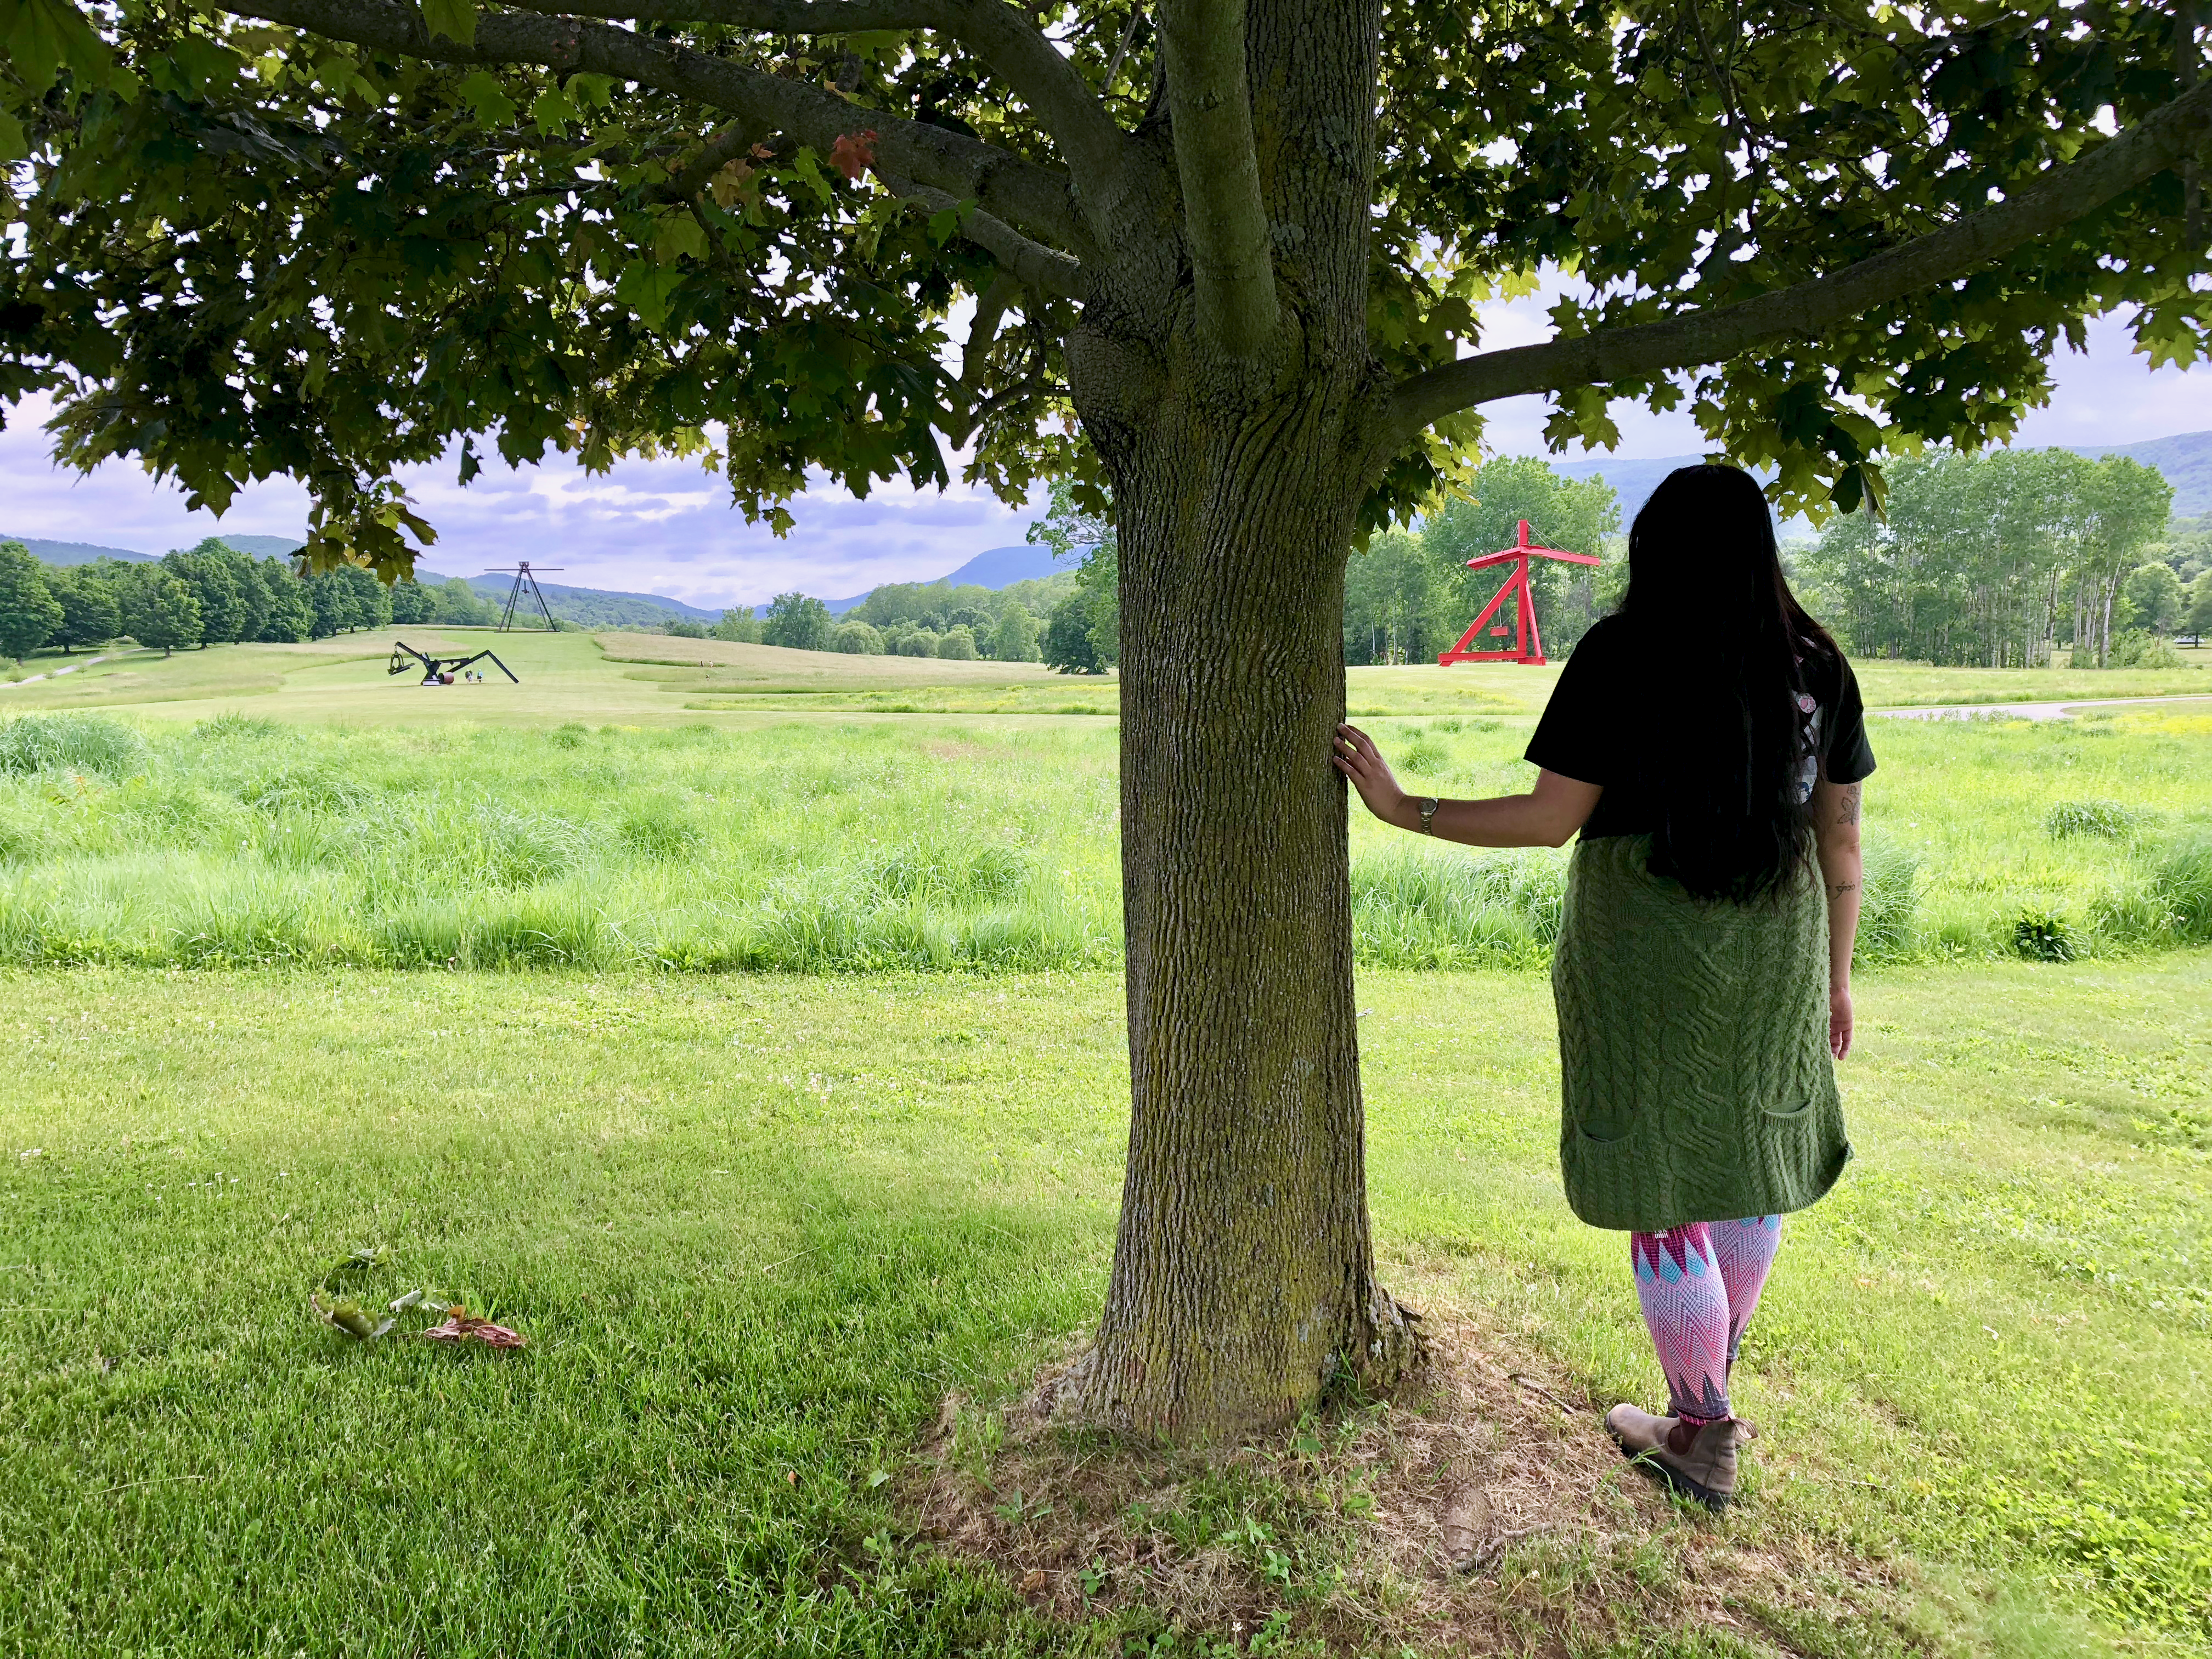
[(1694, 1047)]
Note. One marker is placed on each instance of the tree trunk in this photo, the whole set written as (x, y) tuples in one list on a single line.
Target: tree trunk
[(1243, 1273)]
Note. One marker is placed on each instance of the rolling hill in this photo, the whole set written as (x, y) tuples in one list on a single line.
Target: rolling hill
[(994, 567)]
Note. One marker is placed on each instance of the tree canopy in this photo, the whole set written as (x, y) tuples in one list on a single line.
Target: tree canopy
[(330, 241)]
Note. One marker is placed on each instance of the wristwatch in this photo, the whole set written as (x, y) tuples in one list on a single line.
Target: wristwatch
[(1428, 804)]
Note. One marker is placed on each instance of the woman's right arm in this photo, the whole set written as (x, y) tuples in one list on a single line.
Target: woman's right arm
[(1836, 829)]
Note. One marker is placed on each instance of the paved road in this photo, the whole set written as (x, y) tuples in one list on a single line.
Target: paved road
[(2031, 711)]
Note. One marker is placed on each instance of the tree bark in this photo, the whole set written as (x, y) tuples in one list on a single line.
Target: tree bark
[(1243, 1273)]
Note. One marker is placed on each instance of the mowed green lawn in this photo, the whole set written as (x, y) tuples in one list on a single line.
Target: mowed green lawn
[(756, 1228), (651, 679)]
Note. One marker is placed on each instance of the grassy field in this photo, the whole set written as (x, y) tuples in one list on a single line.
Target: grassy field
[(757, 1228), (982, 842), (651, 679)]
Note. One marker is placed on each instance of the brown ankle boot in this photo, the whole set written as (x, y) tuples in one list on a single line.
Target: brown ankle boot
[(1697, 1460)]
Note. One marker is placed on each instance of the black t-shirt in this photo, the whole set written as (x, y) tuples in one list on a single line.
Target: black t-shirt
[(1604, 722)]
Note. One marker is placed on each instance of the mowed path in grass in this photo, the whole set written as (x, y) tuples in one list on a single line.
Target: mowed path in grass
[(650, 679), (757, 1227)]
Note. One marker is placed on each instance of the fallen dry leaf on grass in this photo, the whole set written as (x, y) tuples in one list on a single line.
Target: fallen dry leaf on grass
[(462, 1326)]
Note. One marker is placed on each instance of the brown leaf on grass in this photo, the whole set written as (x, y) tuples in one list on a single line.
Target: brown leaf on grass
[(462, 1326)]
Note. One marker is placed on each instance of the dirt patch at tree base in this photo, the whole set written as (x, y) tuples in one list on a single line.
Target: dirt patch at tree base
[(1333, 1535)]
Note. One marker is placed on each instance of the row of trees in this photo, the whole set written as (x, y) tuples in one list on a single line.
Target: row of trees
[(1409, 598), (1999, 559), (1022, 622), (211, 594)]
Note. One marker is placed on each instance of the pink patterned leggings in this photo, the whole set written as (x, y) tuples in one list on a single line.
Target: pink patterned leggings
[(1698, 1286)]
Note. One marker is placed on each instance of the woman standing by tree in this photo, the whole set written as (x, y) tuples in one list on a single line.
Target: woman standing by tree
[(1709, 743)]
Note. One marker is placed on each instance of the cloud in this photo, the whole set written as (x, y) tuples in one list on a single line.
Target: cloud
[(667, 526), (662, 526)]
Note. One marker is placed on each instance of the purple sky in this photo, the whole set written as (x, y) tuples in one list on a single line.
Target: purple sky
[(666, 527)]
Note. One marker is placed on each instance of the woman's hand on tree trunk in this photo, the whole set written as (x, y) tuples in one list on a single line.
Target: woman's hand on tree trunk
[(1357, 758)]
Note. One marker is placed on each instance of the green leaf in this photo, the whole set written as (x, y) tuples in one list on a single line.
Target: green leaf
[(679, 233), (483, 94), (14, 146), (647, 290), (552, 111), (43, 37), (454, 18), (811, 170), (591, 91), (942, 226)]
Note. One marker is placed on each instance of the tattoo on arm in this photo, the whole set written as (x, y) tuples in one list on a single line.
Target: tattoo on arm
[(1847, 810), (1840, 888)]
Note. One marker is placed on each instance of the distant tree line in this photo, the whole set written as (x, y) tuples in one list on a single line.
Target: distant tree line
[(966, 623), (211, 594), (2002, 559)]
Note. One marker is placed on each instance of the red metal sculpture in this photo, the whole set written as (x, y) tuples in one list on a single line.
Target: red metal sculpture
[(1527, 643)]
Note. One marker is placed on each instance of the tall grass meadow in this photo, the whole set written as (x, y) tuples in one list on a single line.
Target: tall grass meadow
[(855, 848)]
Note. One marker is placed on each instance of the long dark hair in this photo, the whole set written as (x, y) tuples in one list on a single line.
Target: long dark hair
[(1728, 647)]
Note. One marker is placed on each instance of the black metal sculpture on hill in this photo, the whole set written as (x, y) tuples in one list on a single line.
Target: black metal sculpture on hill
[(523, 579), (440, 670)]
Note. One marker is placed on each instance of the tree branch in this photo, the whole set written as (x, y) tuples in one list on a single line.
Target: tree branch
[(990, 306), (1015, 48), (1225, 219), (717, 153), (1030, 264), (1018, 193), (2167, 138)]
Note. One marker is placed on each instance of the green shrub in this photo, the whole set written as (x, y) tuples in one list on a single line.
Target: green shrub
[(303, 789), (70, 743), (2044, 935), (915, 873), (1414, 907), (659, 829), (958, 645), (2109, 818), (858, 639), (570, 736), (2137, 649), (234, 723), (1887, 900), (2181, 884), (1423, 757)]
